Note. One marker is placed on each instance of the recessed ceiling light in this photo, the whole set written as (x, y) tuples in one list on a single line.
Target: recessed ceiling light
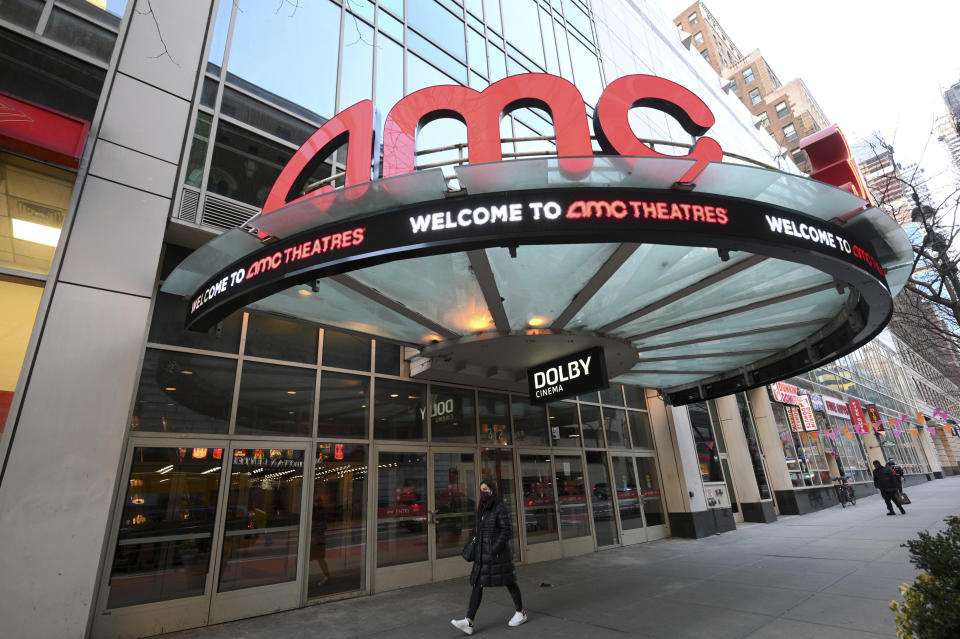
[(170, 388), (37, 233), (537, 321), (394, 395), (303, 292), (186, 372), (291, 392)]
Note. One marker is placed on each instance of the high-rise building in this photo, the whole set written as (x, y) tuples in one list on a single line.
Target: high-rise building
[(946, 128), (887, 181), (788, 111)]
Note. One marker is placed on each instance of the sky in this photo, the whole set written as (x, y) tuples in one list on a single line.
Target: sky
[(871, 66)]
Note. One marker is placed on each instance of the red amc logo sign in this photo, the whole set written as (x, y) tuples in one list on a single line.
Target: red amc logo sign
[(482, 111)]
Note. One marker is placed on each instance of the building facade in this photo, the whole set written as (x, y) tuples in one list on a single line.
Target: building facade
[(279, 459)]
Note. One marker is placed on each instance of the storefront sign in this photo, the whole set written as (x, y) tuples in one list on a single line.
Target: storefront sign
[(857, 416), (836, 407), (568, 376), (816, 401), (806, 413), (793, 416), (873, 415), (785, 393)]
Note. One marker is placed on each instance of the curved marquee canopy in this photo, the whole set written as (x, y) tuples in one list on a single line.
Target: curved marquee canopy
[(752, 276)]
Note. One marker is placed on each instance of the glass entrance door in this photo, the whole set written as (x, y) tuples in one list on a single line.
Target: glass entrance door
[(455, 484), (258, 564), (654, 516), (402, 508)]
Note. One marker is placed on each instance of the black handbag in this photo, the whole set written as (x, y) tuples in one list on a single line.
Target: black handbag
[(469, 552), (903, 498)]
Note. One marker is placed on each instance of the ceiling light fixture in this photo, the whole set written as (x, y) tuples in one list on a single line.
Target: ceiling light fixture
[(37, 233)]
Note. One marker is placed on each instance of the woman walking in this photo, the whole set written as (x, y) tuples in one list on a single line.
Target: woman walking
[(493, 562)]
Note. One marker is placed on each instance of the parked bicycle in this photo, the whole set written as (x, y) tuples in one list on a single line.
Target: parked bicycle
[(845, 491)]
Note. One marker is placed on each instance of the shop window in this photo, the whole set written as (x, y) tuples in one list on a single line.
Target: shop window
[(593, 397), (494, 414), (591, 425), (341, 350), (564, 424), (748, 76), (245, 165), (455, 486), (571, 497), (704, 437), (754, 96), (166, 327), (262, 527), (640, 435), (753, 446), (615, 426), (344, 407), (166, 525), (338, 519), (452, 415), (612, 396), (539, 509), (601, 499), (388, 358), (698, 38), (782, 110), (628, 494), (184, 393), (277, 338), (529, 422), (275, 400), (20, 300), (33, 204), (399, 410), (497, 464), (401, 508), (635, 397), (789, 133), (650, 491)]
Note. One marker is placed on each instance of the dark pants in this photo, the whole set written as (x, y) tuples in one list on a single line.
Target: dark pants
[(891, 497), (477, 595)]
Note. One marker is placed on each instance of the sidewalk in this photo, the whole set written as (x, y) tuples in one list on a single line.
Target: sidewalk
[(825, 575)]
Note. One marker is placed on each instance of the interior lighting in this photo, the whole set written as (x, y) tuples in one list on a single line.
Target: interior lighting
[(291, 392), (37, 233), (394, 395), (165, 469), (537, 321), (432, 338), (303, 292), (186, 372), (170, 388)]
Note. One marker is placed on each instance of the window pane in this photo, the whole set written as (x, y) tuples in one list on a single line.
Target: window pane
[(344, 405), (628, 497), (452, 415), (338, 522), (571, 496), (564, 424), (439, 25), (401, 508), (388, 358), (163, 549), (245, 165), (539, 514), (24, 13), (281, 339), (341, 350), (529, 423), (184, 393), (166, 327), (640, 430), (436, 56), (275, 400), (522, 26), (586, 70), (708, 454), (33, 203), (267, 118), (80, 35), (635, 397), (615, 424), (478, 51), (399, 410), (455, 499), (590, 421), (601, 499), (389, 73), (753, 446), (494, 419), (19, 300), (650, 491), (356, 79), (613, 395), (263, 518), (198, 150), (497, 464), (313, 34)]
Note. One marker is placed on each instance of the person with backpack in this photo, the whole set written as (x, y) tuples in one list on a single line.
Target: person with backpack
[(887, 481)]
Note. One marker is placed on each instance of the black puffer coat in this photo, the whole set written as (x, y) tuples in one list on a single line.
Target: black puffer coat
[(884, 479), (494, 563)]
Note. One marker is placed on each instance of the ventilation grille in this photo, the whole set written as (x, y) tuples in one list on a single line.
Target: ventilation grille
[(188, 205), (221, 213)]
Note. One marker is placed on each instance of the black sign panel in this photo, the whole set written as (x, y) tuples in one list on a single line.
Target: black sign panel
[(568, 376), (552, 216)]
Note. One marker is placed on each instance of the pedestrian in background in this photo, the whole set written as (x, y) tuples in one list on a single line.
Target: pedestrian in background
[(886, 481), (493, 564)]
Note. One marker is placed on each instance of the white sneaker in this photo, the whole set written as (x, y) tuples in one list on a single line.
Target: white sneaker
[(517, 619), (462, 624)]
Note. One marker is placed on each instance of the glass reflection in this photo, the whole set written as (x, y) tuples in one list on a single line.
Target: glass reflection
[(494, 416), (275, 400), (497, 463), (455, 485), (452, 415), (615, 425), (640, 429), (529, 422), (342, 350), (401, 508), (571, 496), (281, 339), (344, 405), (591, 424), (601, 499), (564, 424), (263, 518), (650, 491), (399, 410), (539, 506), (338, 524), (163, 549), (628, 495)]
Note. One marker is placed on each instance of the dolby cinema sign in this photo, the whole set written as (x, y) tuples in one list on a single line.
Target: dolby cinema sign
[(568, 376)]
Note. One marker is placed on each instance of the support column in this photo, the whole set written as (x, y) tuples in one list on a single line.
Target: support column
[(741, 464), (63, 447)]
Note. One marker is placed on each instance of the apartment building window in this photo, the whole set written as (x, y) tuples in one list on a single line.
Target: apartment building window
[(789, 132), (693, 18), (765, 120), (733, 85), (698, 39), (799, 157), (754, 96), (748, 76), (782, 110), (706, 55)]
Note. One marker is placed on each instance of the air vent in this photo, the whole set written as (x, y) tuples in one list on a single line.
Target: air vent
[(221, 213), (189, 200)]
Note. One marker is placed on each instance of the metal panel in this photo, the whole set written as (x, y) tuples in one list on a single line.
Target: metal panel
[(141, 171), (145, 119)]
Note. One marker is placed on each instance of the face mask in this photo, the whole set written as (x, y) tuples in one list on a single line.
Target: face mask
[(485, 496)]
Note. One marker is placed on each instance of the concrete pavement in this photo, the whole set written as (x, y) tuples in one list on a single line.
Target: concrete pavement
[(826, 575)]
